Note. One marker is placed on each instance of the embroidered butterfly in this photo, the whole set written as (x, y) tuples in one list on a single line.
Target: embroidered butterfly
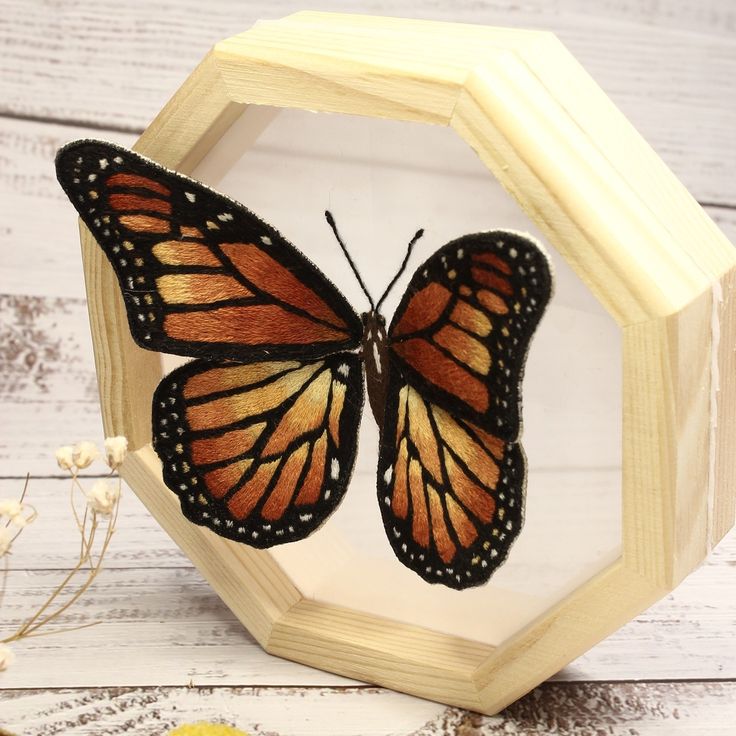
[(258, 434)]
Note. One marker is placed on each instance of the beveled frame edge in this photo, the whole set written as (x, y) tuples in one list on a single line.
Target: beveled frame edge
[(353, 65)]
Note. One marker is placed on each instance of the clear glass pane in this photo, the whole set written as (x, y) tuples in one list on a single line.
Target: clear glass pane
[(382, 180)]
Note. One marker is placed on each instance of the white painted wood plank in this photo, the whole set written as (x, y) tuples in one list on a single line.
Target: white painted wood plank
[(183, 631), (138, 542), (48, 388), (156, 627), (40, 252), (114, 64), (617, 709)]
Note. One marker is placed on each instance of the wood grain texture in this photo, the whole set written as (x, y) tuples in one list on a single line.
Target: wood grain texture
[(614, 709)]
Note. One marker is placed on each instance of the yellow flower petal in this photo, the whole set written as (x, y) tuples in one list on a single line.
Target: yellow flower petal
[(206, 729)]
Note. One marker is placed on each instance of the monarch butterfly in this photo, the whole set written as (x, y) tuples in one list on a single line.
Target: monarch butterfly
[(258, 434)]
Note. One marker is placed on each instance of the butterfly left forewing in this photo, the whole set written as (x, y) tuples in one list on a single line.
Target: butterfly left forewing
[(200, 274), (261, 453), (451, 472)]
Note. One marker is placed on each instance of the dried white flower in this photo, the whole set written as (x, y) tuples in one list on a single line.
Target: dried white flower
[(116, 448), (10, 507), (65, 457), (7, 657), (15, 511), (6, 539), (101, 497), (85, 453)]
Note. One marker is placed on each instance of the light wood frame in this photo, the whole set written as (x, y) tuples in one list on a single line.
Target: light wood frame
[(623, 222)]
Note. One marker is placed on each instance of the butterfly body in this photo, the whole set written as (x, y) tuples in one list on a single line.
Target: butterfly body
[(374, 350), (258, 433)]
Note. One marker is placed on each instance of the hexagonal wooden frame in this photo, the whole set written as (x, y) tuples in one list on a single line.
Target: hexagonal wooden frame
[(609, 205)]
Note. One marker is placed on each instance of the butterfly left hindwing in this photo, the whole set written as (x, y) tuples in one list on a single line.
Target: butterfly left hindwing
[(261, 453)]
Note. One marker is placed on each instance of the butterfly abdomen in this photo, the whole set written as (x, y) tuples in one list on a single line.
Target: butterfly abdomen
[(375, 360)]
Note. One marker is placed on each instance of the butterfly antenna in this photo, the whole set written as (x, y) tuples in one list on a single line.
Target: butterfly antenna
[(331, 222), (401, 270)]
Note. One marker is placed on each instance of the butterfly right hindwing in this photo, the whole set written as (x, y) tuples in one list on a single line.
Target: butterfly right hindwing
[(451, 495)]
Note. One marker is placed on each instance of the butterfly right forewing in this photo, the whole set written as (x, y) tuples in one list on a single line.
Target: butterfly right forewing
[(463, 328)]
